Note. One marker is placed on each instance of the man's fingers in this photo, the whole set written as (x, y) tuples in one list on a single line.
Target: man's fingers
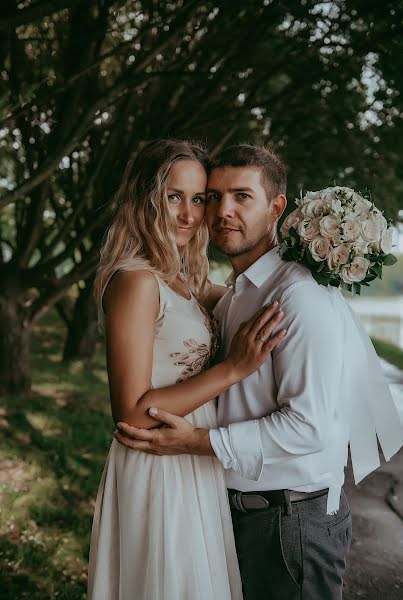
[(165, 417), (131, 443), (134, 432)]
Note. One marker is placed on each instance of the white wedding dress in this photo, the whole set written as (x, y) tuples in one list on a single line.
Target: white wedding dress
[(162, 527)]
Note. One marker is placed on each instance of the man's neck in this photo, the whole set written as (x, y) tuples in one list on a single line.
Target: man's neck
[(243, 261)]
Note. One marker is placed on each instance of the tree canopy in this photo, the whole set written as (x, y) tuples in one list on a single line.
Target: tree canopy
[(83, 84)]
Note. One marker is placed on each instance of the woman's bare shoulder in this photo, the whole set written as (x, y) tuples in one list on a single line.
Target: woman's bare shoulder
[(129, 285)]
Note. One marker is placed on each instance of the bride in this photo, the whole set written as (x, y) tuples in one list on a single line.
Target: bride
[(162, 528)]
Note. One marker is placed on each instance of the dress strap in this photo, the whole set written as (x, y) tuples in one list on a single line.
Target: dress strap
[(163, 295)]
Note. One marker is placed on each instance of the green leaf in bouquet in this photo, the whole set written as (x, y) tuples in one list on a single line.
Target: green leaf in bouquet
[(310, 259), (376, 269), (321, 279), (364, 283), (369, 278), (334, 282), (293, 233), (288, 254), (389, 260), (357, 289)]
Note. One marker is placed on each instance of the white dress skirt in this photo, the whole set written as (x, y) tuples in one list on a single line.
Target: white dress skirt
[(162, 527)]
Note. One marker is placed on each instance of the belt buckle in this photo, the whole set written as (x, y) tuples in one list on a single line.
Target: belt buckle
[(237, 500)]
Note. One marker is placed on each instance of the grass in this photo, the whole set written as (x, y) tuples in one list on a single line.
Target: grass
[(52, 452), (391, 353), (53, 448)]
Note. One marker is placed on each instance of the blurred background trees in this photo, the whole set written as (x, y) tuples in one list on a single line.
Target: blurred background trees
[(83, 84)]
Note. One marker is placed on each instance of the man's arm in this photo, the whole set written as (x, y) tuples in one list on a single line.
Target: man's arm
[(180, 437), (307, 368)]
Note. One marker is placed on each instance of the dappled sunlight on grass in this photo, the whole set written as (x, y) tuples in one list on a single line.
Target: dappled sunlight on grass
[(53, 449)]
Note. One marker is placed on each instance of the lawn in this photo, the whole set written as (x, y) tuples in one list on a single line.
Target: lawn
[(52, 452), (53, 448)]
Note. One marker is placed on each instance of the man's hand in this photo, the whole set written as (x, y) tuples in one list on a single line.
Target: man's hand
[(180, 437)]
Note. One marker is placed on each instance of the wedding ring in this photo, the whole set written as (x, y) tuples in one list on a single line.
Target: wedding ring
[(259, 337)]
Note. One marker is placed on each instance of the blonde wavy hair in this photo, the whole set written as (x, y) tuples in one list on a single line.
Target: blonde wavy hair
[(142, 235)]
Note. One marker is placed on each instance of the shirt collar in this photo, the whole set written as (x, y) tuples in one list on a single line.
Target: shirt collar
[(260, 270)]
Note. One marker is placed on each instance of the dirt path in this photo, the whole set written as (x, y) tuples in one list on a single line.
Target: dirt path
[(375, 562)]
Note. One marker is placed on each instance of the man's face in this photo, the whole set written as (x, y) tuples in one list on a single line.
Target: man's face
[(239, 215)]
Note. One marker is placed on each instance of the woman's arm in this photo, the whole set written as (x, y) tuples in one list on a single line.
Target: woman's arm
[(131, 308)]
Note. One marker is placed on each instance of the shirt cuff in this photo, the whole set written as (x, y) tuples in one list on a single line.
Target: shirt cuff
[(239, 447)]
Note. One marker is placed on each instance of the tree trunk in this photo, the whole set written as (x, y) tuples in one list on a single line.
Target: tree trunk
[(82, 330), (15, 371)]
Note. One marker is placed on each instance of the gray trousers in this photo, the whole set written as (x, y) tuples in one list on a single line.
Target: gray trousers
[(300, 556)]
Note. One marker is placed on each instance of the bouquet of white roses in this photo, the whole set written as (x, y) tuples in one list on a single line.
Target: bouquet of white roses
[(340, 236)]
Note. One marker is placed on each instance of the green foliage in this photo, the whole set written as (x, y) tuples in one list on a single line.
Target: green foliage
[(389, 352)]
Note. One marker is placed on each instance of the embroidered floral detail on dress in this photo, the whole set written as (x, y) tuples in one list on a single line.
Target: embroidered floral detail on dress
[(213, 328), (194, 360), (198, 357)]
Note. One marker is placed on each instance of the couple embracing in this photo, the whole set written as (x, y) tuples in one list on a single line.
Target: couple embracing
[(243, 497)]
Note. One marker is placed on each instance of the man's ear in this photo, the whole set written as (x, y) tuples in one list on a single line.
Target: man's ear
[(278, 205)]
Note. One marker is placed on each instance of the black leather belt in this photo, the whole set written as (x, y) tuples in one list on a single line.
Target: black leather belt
[(261, 500)]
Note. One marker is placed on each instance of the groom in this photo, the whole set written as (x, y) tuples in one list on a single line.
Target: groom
[(281, 435)]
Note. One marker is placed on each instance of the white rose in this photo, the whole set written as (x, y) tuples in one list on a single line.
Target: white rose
[(361, 246), (335, 206), (313, 208), (379, 218), (361, 206), (329, 195), (329, 226), (371, 229), (319, 248), (356, 270), (338, 256), (313, 195), (291, 220), (387, 240), (350, 229), (309, 230)]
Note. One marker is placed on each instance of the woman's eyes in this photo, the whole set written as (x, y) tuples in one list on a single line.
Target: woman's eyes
[(176, 199)]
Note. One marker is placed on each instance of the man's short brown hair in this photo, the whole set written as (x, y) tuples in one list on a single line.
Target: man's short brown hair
[(274, 173)]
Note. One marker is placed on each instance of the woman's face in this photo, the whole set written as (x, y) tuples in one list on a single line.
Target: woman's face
[(187, 198)]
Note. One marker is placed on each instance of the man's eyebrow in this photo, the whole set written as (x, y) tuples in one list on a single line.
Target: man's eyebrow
[(239, 189)]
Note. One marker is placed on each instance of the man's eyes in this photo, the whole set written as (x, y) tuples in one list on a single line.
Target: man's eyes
[(240, 195), (213, 196)]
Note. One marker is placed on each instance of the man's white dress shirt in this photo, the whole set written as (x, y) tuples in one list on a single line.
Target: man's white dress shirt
[(289, 424)]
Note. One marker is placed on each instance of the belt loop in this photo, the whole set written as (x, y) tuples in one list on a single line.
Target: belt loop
[(288, 509)]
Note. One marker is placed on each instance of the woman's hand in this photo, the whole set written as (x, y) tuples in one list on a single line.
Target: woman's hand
[(252, 343)]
